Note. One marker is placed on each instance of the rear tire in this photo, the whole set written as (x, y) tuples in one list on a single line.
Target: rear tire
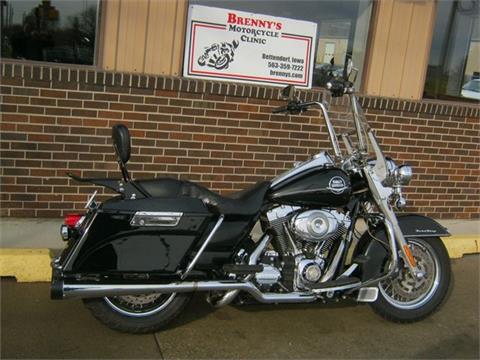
[(405, 299), (138, 314)]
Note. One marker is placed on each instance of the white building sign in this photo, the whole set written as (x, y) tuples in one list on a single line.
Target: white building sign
[(238, 46)]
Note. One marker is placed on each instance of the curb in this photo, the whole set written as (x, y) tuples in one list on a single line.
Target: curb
[(459, 245), (33, 265), (27, 265)]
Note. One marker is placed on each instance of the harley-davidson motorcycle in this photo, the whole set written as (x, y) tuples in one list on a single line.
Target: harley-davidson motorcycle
[(330, 232)]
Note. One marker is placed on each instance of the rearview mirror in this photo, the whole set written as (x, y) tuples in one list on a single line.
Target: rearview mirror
[(288, 93), (349, 72)]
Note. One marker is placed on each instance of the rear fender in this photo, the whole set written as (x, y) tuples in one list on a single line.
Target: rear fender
[(376, 253)]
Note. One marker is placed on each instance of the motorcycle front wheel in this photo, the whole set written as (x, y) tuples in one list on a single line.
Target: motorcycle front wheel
[(138, 314), (408, 299)]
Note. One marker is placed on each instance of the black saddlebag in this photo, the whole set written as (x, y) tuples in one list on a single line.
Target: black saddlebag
[(152, 235)]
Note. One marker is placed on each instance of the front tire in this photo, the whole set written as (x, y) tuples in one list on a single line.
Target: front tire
[(406, 299), (138, 314)]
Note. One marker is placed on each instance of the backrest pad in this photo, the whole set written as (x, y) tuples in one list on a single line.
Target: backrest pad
[(121, 142)]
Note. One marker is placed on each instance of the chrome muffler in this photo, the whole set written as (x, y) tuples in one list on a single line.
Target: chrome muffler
[(75, 291)]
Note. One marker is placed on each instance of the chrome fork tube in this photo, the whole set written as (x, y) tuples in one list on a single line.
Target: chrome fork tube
[(397, 231), (381, 198)]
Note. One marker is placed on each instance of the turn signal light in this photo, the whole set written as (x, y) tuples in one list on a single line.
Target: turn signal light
[(72, 219)]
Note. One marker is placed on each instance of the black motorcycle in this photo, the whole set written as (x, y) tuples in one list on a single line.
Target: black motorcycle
[(329, 232)]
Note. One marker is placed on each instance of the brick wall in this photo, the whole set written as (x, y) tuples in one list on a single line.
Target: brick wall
[(58, 119)]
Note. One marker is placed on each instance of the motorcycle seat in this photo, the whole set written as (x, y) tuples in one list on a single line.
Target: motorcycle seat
[(246, 202)]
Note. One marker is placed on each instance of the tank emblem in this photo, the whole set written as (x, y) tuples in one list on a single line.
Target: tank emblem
[(337, 185)]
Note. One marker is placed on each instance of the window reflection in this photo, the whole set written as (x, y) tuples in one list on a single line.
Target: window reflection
[(454, 64), (55, 31), (342, 27)]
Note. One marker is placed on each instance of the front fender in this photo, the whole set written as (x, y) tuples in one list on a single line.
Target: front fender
[(414, 225), (373, 254)]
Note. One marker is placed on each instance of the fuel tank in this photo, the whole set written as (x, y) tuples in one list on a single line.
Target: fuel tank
[(313, 183)]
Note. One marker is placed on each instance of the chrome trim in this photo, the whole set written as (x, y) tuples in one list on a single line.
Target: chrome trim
[(330, 130), (292, 242), (350, 270), (71, 291), (158, 218), (367, 294), (90, 200), (202, 248), (232, 294), (73, 254), (334, 265), (64, 232), (311, 191), (337, 288), (264, 241), (318, 160)]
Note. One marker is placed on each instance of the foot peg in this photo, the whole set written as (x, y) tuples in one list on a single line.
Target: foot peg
[(367, 294)]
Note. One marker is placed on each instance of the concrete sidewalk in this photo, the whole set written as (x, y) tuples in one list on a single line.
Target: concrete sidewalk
[(33, 326)]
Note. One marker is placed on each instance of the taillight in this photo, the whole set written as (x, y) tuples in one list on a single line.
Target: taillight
[(71, 225), (72, 219)]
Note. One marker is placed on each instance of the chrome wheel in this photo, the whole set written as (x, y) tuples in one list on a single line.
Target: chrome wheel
[(139, 305), (407, 292)]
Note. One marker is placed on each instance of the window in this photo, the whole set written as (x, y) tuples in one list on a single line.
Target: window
[(454, 64), (54, 31), (342, 27)]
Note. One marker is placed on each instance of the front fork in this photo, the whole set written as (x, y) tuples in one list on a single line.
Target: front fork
[(381, 195)]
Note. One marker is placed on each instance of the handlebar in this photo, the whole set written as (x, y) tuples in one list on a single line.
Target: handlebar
[(293, 107), (280, 109)]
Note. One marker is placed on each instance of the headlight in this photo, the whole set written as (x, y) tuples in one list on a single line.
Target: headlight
[(403, 175)]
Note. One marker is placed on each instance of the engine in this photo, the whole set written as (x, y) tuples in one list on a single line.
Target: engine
[(303, 239)]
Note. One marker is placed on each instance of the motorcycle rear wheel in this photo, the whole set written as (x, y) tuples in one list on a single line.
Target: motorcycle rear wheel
[(406, 299), (138, 314)]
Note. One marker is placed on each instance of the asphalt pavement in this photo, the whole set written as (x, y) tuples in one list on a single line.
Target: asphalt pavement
[(33, 326)]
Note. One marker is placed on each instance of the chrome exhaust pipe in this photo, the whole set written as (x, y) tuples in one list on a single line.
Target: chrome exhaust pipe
[(72, 291)]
